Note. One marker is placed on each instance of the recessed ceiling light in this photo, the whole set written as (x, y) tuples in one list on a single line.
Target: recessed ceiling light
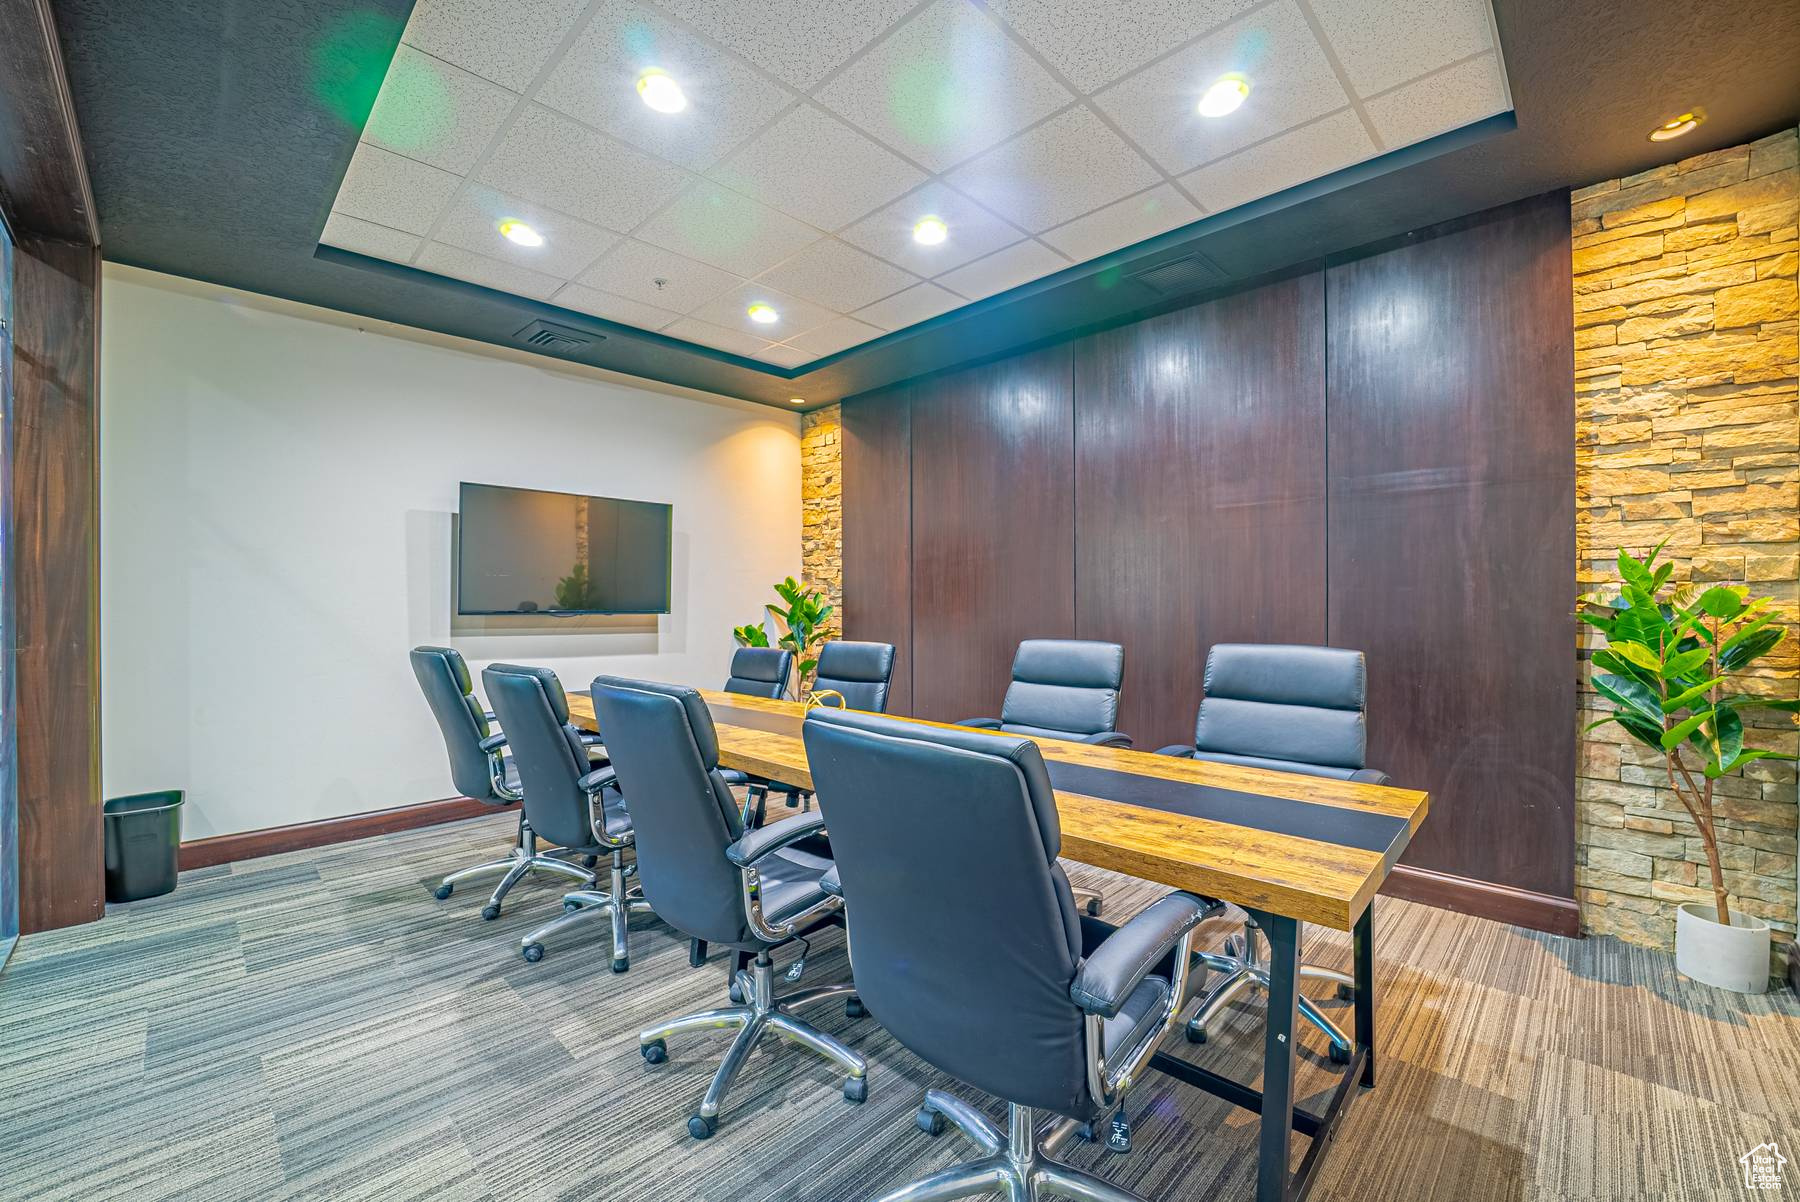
[(661, 92), (763, 315), (930, 231), (1224, 96), (1687, 123), (796, 400), (514, 230)]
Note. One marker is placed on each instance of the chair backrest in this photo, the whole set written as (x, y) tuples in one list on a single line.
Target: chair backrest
[(462, 721), (546, 750), (860, 671), (964, 937), (760, 671), (1064, 687), (1290, 707), (663, 747)]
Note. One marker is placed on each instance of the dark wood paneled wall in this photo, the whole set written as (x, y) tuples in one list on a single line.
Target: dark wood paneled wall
[(1376, 454), (993, 522), (1200, 486)]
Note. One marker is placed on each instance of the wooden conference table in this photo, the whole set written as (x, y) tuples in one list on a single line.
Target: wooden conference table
[(1287, 848)]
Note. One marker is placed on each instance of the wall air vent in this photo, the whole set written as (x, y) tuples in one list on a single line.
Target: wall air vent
[(1178, 277), (557, 340)]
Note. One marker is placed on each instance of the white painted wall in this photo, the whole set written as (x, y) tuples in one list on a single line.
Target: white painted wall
[(277, 491)]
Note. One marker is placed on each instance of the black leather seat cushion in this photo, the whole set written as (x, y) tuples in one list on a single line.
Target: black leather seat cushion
[(790, 883)]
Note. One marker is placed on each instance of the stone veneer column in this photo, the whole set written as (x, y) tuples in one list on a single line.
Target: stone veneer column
[(821, 512), (1688, 429)]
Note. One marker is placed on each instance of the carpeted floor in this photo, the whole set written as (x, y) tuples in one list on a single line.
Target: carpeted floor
[(316, 1026)]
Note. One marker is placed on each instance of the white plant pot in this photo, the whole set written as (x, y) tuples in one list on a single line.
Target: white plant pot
[(1734, 957)]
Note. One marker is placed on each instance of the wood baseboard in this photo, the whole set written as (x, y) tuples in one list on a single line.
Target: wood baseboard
[(1502, 903), (247, 845)]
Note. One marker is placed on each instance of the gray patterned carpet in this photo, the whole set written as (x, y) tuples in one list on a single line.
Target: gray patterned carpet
[(316, 1026)]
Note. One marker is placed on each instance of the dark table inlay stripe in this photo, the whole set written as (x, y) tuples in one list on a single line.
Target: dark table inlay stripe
[(1278, 815)]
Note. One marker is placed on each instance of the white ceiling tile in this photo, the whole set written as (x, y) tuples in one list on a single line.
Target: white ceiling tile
[(785, 356), (732, 311), (1291, 83), (436, 113), (547, 158), (691, 330), (799, 41), (489, 273), (944, 86), (1293, 158), (367, 238), (973, 231), (1128, 221), (910, 307), (727, 230), (633, 268), (835, 335), (814, 167), (1063, 168), (1094, 44), (596, 80), (473, 219), (1018, 264), (837, 276), (1451, 98), (394, 191), (507, 41), (1382, 45), (613, 308)]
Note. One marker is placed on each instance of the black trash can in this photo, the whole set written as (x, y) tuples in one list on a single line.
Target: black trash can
[(143, 845)]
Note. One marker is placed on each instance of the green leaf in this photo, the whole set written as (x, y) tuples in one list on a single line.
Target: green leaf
[(1631, 570), (1715, 771), (1683, 662), (1751, 649), (1723, 601), (1647, 733), (1748, 630), (1674, 736), (1637, 654), (1633, 695), (1683, 700), (1728, 735)]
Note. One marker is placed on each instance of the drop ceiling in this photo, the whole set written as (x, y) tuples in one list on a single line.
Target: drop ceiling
[(1044, 134)]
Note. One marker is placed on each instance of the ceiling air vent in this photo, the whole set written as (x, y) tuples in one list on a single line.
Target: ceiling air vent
[(557, 340), (1178, 277)]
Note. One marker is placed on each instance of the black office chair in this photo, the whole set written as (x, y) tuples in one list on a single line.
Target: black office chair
[(970, 952), (850, 675), (760, 672), (1287, 708), (710, 879), (568, 800)]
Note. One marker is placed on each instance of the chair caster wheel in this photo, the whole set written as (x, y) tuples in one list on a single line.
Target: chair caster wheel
[(443, 891), (735, 994), (533, 952), (1340, 1055), (570, 907), (1196, 1033), (1085, 1133), (655, 1052), (621, 965), (856, 1090), (854, 1008), (1346, 993), (1093, 907), (589, 861), (929, 1121), (701, 1127), (490, 912)]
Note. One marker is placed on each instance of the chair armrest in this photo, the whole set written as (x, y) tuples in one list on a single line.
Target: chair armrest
[(765, 839), (1127, 955), (589, 739), (598, 779), (734, 777), (1108, 738), (1177, 749), (981, 723), (492, 743), (831, 883), (1370, 776)]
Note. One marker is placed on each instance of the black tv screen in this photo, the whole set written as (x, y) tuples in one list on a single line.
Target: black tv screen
[(523, 550)]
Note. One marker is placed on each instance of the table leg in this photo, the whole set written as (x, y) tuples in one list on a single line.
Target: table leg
[(1277, 1135), (1362, 952)]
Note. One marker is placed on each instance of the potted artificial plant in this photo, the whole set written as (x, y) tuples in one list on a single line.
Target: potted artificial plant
[(1670, 655), (802, 616)]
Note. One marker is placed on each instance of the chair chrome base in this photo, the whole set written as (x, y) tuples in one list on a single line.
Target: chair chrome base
[(762, 1013), (585, 905), (1244, 969), (1088, 899), (1015, 1164), (525, 858)]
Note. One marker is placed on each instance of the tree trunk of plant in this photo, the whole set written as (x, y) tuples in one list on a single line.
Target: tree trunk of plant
[(1698, 804)]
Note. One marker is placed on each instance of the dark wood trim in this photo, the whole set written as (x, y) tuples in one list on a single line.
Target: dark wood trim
[(44, 184), (1502, 903), (248, 845)]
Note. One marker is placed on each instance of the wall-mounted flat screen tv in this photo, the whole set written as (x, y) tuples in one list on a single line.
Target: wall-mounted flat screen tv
[(526, 551)]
